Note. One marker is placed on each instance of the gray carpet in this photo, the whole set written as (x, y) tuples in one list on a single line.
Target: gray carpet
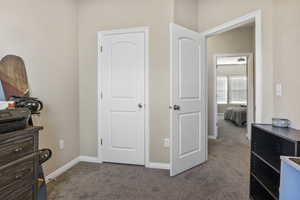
[(224, 177)]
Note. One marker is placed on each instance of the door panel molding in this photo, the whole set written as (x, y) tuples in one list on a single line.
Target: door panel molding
[(101, 35)]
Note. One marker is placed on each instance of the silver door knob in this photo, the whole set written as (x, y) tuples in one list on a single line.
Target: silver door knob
[(176, 107), (140, 105)]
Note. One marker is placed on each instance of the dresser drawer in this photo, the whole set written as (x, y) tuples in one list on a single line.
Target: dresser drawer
[(268, 176), (258, 192), (18, 175), (270, 147), (16, 148), (25, 192), (26, 195)]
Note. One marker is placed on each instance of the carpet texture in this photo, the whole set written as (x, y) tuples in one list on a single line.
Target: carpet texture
[(224, 177)]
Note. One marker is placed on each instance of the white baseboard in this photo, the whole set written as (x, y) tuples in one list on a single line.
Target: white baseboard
[(71, 164), (212, 137), (155, 165), (62, 169), (248, 136), (75, 161), (89, 159)]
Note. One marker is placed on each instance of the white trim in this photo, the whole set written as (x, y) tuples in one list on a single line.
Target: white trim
[(205, 90), (171, 95), (256, 17), (215, 119), (212, 137), (89, 159), (154, 165), (62, 169), (248, 136), (147, 101), (100, 34), (72, 163)]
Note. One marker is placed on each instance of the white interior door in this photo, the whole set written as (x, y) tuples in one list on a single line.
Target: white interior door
[(123, 96), (188, 134)]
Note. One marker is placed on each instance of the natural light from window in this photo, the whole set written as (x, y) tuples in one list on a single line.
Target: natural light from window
[(232, 80), (238, 90), (231, 90), (222, 90)]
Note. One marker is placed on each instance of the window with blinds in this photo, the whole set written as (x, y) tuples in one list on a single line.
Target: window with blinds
[(238, 90), (222, 90), (231, 90)]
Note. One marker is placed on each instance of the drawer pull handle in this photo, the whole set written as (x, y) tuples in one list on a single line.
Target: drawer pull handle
[(22, 174), (18, 176), (18, 150)]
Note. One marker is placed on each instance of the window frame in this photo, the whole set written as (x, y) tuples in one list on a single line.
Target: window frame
[(226, 91)]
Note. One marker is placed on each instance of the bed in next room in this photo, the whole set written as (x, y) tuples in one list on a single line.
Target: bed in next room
[(237, 115)]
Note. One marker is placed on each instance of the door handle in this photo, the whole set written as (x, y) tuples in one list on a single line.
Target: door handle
[(140, 105), (176, 107)]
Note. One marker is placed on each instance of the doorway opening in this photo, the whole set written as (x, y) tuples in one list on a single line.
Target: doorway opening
[(232, 80), (233, 64), (234, 86)]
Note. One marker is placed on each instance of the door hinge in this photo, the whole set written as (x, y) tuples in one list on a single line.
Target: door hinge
[(101, 142), (101, 49), (101, 95)]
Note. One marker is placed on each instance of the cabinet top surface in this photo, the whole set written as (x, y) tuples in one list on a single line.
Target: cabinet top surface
[(287, 133)]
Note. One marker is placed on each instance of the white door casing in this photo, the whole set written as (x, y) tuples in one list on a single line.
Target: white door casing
[(188, 129), (122, 80), (251, 97)]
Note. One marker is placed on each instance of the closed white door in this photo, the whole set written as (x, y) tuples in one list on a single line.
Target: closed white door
[(188, 133), (123, 95)]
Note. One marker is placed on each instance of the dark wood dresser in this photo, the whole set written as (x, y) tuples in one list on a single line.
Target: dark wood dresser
[(19, 164), (267, 145)]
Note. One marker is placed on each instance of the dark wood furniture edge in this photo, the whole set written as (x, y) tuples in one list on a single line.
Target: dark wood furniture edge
[(293, 134)]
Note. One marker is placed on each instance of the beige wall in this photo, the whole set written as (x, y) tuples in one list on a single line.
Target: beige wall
[(99, 15), (235, 41), (44, 33), (186, 13), (215, 12), (281, 46), (286, 58)]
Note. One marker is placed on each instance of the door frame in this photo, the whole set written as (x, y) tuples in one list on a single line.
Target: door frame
[(250, 89), (100, 36), (256, 17)]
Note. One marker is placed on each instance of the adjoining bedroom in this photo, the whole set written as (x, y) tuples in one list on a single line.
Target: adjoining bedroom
[(231, 83), (231, 69), (232, 96)]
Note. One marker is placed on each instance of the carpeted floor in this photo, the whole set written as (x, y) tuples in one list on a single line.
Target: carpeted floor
[(224, 177)]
